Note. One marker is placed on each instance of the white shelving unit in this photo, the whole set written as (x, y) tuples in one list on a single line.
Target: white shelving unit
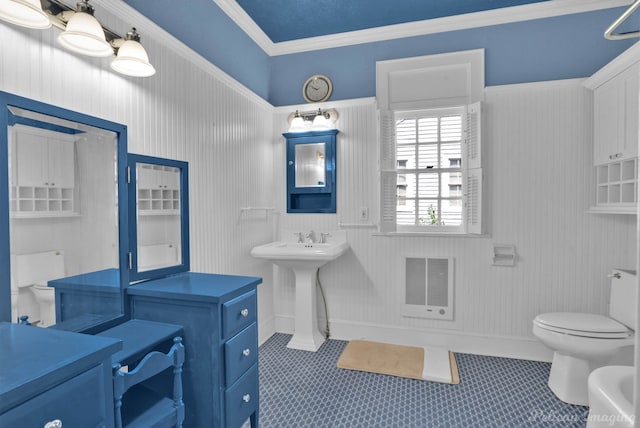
[(158, 190), (616, 189), (40, 201)]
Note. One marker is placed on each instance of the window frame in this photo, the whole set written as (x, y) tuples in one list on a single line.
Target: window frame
[(438, 170), (471, 177)]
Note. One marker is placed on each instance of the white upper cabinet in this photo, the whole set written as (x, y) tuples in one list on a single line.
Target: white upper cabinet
[(615, 124), (42, 177), (616, 114), (158, 177), (44, 160)]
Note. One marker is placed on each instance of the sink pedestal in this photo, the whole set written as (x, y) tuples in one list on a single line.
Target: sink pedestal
[(307, 336), (304, 259)]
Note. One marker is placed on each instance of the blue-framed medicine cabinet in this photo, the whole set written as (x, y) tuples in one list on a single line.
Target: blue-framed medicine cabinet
[(311, 171)]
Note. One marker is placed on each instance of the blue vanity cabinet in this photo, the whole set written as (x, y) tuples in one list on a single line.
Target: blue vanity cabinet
[(219, 317), (88, 294), (48, 375)]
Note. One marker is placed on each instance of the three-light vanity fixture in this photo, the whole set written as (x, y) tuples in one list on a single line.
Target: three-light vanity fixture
[(316, 120), (81, 32)]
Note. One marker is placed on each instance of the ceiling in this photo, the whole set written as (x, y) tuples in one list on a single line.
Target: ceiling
[(281, 27), (288, 20)]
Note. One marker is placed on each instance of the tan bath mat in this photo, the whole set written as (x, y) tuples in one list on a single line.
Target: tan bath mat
[(431, 363)]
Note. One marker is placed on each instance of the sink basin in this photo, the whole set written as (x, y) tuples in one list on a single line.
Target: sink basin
[(297, 255), (304, 260)]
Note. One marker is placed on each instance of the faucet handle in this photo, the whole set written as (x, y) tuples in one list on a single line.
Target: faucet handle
[(323, 237), (300, 237), (310, 238)]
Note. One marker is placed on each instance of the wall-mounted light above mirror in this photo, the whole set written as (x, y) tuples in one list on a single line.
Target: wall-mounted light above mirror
[(81, 33), (158, 217)]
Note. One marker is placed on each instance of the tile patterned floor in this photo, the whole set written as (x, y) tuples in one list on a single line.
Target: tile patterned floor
[(306, 389)]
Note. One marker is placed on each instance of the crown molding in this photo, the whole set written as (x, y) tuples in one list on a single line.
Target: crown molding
[(246, 24), (352, 102), (419, 28), (126, 13), (617, 65)]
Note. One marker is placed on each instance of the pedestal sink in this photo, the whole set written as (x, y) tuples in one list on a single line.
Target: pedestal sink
[(304, 259)]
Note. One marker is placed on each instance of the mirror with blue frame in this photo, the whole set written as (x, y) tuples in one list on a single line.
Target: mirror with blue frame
[(159, 217), (63, 214)]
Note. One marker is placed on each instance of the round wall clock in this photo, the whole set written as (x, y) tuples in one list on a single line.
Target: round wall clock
[(317, 88)]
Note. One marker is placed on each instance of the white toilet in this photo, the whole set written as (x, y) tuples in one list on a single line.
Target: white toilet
[(30, 273), (583, 342), (45, 297)]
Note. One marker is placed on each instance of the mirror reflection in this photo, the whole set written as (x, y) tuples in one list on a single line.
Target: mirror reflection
[(310, 165), (63, 203), (158, 208)]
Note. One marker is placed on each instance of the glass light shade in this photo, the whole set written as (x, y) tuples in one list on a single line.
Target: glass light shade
[(132, 60), (26, 13), (84, 35), (297, 125), (320, 123)]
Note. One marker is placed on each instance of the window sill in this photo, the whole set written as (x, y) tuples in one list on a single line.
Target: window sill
[(429, 235)]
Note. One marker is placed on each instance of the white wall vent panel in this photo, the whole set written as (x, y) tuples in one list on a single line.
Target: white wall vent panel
[(427, 290)]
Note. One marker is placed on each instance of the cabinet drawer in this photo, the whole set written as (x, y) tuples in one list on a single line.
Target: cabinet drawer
[(242, 399), (77, 403), (238, 313), (240, 353)]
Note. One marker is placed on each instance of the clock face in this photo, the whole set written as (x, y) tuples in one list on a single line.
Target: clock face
[(317, 88)]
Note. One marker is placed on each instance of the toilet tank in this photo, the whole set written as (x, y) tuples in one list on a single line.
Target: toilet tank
[(37, 268), (622, 304)]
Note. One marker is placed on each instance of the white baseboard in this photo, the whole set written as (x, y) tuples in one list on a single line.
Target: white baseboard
[(266, 329), (468, 343)]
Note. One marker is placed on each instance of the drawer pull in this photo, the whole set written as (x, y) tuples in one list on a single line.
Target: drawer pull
[(244, 312), (246, 398), (56, 423), (246, 352)]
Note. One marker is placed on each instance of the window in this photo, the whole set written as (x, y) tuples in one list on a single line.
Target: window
[(431, 180), (428, 159)]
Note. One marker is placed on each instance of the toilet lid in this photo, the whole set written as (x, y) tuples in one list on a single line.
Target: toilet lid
[(586, 325)]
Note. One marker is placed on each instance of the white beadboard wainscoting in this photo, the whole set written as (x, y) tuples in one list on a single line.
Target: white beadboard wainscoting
[(539, 184), (188, 111)]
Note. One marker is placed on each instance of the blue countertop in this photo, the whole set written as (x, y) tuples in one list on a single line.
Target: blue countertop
[(196, 286), (107, 280), (33, 357)]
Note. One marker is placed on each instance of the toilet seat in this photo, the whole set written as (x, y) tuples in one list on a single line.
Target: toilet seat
[(41, 286), (582, 325)]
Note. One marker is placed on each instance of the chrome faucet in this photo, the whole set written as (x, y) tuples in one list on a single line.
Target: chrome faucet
[(323, 237), (310, 238), (300, 237)]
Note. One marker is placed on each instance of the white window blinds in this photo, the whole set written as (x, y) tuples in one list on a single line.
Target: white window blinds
[(430, 170)]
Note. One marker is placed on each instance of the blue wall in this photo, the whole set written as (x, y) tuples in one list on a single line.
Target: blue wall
[(562, 47), (547, 49), (203, 26)]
